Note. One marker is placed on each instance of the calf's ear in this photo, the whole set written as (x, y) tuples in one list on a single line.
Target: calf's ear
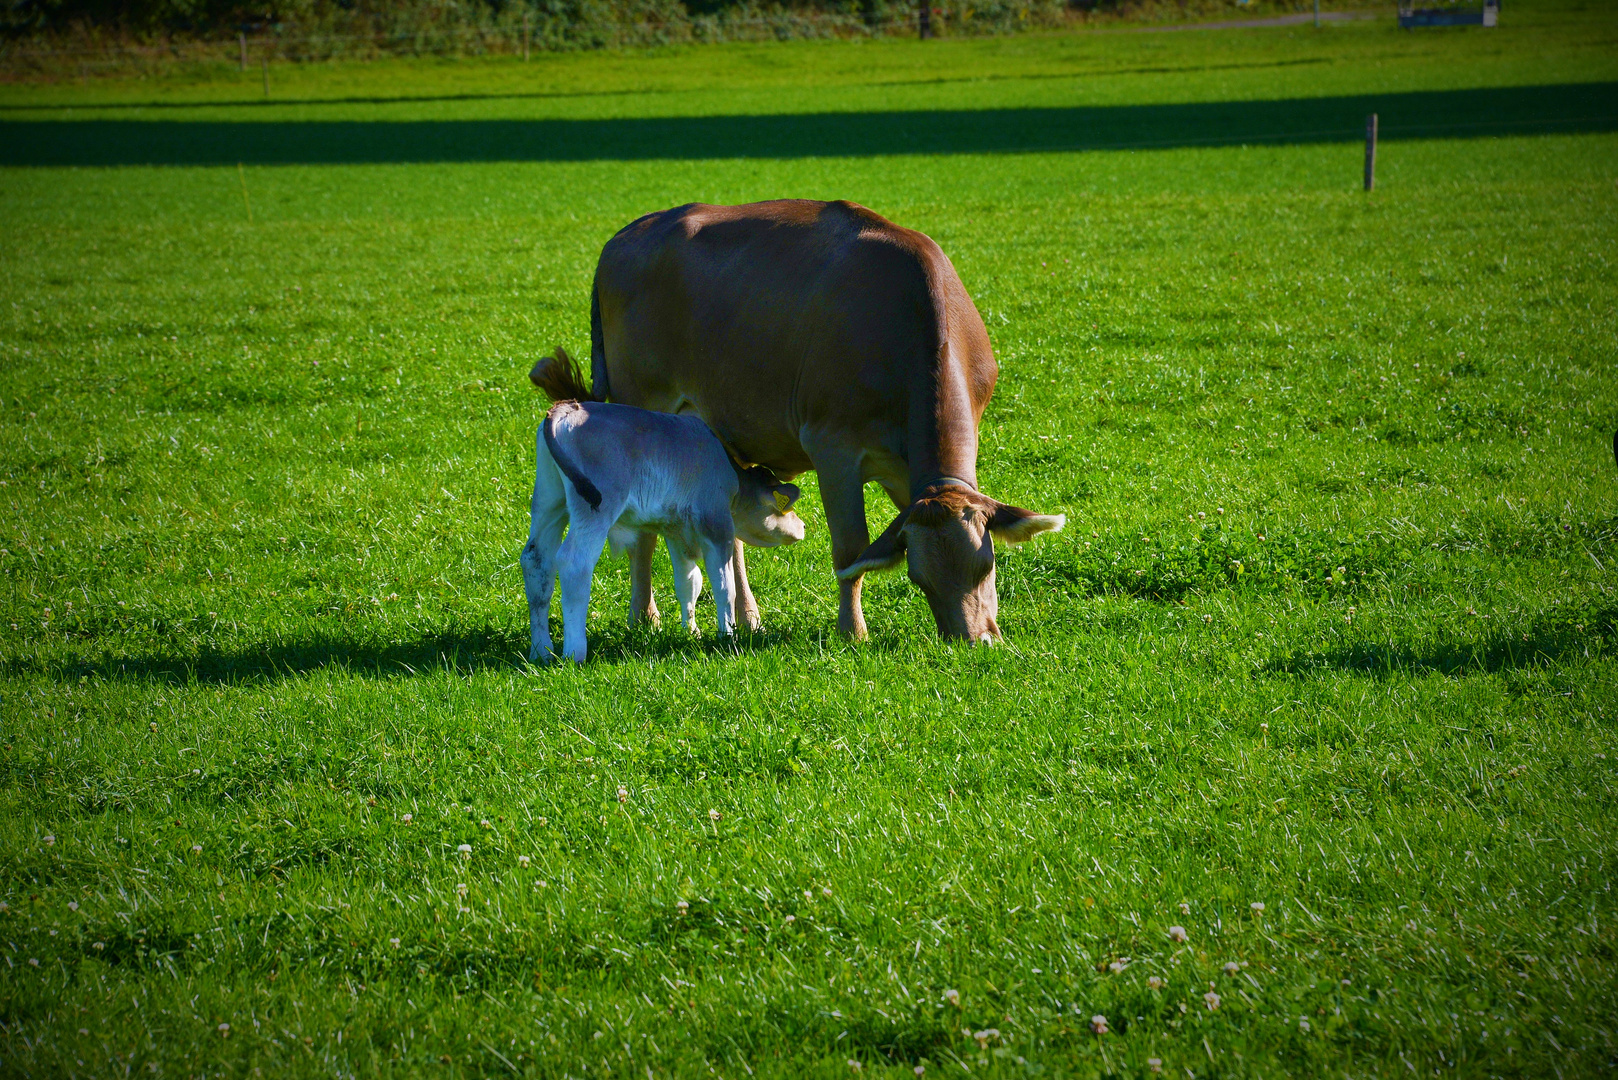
[(785, 496), (885, 552), (1014, 525)]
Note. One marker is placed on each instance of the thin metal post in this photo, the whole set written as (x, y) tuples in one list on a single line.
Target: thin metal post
[(1317, 14), (241, 39), (1370, 152), (266, 75), (525, 35)]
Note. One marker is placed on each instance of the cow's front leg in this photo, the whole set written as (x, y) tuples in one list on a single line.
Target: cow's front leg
[(843, 494), (641, 604), (746, 606)]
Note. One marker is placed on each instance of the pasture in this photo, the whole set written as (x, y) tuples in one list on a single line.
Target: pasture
[(1322, 670)]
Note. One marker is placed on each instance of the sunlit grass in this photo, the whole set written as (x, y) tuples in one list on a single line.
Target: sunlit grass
[(1330, 630)]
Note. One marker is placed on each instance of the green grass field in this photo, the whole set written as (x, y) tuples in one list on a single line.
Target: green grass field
[(1332, 629)]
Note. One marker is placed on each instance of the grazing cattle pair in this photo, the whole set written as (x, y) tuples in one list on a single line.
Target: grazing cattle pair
[(814, 335)]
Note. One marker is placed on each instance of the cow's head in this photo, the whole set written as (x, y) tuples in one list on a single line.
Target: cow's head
[(947, 539), (762, 509)]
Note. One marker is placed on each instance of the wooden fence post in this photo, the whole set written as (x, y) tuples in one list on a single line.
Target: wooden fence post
[(525, 35), (1370, 152), (266, 74), (241, 39)]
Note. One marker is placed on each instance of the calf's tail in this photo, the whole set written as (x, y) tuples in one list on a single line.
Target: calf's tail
[(559, 376), (581, 483)]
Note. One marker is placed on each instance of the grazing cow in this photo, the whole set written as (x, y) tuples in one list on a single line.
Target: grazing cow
[(816, 335), (614, 473)]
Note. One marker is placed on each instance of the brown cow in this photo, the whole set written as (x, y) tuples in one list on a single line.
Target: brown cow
[(814, 335)]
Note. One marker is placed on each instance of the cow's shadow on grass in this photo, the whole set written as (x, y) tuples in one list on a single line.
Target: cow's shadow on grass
[(463, 651)]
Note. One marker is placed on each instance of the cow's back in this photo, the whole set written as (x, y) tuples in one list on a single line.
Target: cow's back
[(775, 318)]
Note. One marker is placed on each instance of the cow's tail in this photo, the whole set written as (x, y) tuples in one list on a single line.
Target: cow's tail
[(598, 346), (581, 483), (559, 376)]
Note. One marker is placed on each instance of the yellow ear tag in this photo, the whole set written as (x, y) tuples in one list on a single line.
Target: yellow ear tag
[(782, 503)]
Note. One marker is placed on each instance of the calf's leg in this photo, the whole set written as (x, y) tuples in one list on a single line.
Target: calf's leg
[(721, 577), (687, 582), (576, 563), (547, 517)]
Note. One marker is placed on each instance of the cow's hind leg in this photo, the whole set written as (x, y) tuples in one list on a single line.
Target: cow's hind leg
[(641, 603), (687, 581)]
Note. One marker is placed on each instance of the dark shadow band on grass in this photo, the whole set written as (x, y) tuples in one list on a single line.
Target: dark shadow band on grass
[(1540, 645), (1522, 110)]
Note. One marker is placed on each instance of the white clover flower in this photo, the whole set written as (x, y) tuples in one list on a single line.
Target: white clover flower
[(809, 895), (920, 1070), (825, 890), (1156, 982), (196, 849), (1178, 933), (984, 1036), (224, 1029), (1155, 1064), (522, 861), (1116, 966), (853, 1063), (1231, 967), (682, 907), (953, 997), (1185, 907), (713, 815), (73, 905), (485, 824), (1098, 1024), (408, 818), (1211, 999), (623, 795), (394, 942), (33, 962), (1257, 906), (465, 850), (791, 918), (460, 888), (49, 840), (1303, 1025)]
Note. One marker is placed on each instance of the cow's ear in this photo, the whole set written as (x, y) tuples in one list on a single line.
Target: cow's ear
[(785, 496), (886, 552), (1014, 525)]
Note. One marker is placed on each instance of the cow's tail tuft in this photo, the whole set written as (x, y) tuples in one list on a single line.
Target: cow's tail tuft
[(560, 377)]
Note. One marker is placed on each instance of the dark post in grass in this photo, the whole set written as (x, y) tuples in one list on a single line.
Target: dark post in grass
[(1370, 152), (525, 35), (241, 39), (266, 75), (1317, 14), (926, 24)]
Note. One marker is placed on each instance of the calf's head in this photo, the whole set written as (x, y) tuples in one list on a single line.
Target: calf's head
[(762, 509), (946, 538)]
